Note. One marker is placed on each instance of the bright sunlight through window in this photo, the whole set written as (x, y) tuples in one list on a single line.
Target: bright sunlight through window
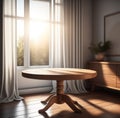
[(36, 20), (38, 36)]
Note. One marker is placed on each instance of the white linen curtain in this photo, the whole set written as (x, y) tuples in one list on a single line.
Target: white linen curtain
[(67, 52), (9, 87)]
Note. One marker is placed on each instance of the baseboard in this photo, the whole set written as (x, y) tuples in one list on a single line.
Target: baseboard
[(35, 90)]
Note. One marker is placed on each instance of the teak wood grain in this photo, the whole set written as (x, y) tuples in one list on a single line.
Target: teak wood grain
[(108, 74), (59, 73)]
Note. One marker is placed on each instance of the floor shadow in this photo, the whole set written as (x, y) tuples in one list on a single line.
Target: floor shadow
[(104, 113), (83, 114)]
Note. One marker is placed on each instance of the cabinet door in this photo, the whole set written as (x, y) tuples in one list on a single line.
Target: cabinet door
[(108, 75), (94, 66), (118, 69), (118, 86), (107, 69), (118, 81), (118, 76), (108, 80)]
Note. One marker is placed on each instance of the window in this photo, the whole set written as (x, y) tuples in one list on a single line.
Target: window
[(37, 23), (33, 44)]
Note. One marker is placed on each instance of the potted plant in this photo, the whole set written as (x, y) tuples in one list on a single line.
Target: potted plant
[(100, 49)]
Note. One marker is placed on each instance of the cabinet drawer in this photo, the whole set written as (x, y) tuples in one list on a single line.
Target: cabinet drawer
[(108, 69)]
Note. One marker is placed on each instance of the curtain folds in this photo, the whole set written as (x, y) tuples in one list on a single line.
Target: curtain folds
[(73, 43), (9, 87), (70, 46), (72, 33)]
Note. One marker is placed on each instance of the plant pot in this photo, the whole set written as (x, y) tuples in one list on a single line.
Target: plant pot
[(100, 56)]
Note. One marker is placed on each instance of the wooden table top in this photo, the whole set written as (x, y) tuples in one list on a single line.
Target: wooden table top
[(59, 73)]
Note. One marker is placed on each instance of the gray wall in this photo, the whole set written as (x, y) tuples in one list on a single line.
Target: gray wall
[(100, 9), (86, 30)]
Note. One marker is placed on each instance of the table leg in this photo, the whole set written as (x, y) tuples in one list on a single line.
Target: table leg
[(52, 100), (60, 98), (45, 101), (71, 103)]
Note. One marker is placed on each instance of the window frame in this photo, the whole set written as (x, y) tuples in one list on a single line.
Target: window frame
[(27, 19)]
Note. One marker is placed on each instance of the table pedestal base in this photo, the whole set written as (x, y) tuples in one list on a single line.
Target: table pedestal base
[(60, 98)]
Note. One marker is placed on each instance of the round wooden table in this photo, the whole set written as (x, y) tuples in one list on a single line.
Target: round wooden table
[(59, 74)]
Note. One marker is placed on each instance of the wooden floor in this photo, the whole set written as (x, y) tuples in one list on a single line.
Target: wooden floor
[(97, 104)]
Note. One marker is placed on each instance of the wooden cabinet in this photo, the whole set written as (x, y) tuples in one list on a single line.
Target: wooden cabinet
[(108, 74)]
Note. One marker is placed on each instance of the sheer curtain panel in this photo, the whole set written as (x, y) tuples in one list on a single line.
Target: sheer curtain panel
[(73, 52), (69, 49), (9, 88)]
